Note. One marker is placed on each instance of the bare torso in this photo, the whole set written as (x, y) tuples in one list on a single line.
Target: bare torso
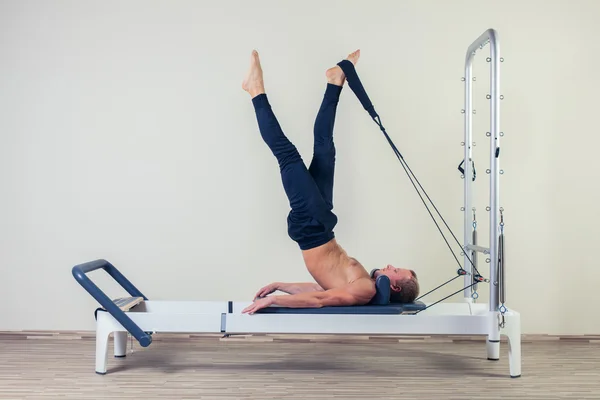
[(332, 268)]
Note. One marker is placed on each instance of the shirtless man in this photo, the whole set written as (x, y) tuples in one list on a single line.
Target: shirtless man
[(340, 280)]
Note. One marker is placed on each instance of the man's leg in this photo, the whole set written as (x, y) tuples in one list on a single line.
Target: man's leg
[(310, 223), (322, 166), (300, 188)]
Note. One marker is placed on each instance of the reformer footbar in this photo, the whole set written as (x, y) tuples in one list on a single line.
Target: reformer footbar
[(360, 92)]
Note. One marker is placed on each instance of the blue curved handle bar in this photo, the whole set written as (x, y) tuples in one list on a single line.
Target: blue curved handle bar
[(80, 271)]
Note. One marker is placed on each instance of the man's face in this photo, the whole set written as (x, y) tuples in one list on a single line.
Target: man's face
[(397, 274)]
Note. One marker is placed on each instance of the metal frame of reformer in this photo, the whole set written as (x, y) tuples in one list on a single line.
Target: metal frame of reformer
[(225, 317)]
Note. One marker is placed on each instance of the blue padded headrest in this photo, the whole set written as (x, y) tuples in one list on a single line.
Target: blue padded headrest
[(382, 291)]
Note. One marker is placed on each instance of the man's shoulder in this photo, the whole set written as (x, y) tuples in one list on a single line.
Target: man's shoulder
[(363, 289)]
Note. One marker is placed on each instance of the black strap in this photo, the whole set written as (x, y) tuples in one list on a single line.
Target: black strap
[(357, 87), (462, 170)]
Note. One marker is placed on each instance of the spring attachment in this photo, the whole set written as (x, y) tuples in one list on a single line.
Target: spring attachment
[(501, 271), (474, 294)]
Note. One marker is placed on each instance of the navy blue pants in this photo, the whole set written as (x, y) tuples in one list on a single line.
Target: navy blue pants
[(309, 190)]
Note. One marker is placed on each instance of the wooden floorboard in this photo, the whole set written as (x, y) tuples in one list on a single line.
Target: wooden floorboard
[(59, 365)]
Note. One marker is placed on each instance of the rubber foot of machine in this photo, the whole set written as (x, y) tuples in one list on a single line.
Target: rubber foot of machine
[(515, 376), (121, 356), (493, 359), (101, 373)]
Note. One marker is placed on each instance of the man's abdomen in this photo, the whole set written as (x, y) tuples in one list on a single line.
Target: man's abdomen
[(328, 265)]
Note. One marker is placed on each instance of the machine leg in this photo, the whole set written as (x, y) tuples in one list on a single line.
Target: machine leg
[(120, 344), (512, 330), (493, 349), (493, 339), (102, 337)]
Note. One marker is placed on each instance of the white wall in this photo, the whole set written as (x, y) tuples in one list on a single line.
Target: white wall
[(126, 136)]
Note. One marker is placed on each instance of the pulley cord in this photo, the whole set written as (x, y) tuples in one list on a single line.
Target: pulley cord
[(433, 290), (407, 168), (450, 295)]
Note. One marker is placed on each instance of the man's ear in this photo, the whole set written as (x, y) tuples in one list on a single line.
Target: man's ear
[(395, 288)]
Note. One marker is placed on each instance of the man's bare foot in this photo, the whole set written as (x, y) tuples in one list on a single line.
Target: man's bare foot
[(253, 83), (335, 75)]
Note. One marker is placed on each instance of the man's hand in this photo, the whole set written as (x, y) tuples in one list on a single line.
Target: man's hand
[(267, 290), (258, 304)]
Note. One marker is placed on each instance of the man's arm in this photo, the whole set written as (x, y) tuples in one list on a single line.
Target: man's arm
[(290, 288), (357, 293), (299, 287), (332, 297)]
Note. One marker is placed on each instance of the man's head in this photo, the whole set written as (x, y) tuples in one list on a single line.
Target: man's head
[(404, 284)]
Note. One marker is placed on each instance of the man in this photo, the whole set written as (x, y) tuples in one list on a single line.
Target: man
[(340, 280)]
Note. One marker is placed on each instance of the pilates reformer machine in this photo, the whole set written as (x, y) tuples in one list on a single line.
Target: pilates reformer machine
[(142, 318)]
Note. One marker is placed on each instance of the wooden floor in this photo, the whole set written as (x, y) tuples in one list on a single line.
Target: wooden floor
[(61, 365)]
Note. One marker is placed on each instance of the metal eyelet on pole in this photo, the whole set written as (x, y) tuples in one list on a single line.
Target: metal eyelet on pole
[(462, 209), (474, 79), (462, 79), (501, 134), (487, 171), (488, 59), (462, 177), (474, 111), (462, 143), (501, 97), (488, 134), (501, 59), (487, 208), (501, 172), (487, 260), (488, 97), (462, 111), (503, 311)]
